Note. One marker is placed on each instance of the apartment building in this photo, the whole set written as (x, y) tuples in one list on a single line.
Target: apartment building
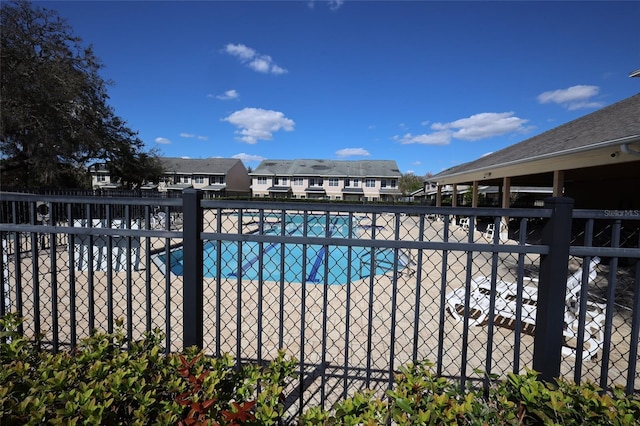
[(217, 177), (361, 180)]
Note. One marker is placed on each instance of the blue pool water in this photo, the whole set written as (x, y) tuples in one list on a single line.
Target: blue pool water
[(250, 268)]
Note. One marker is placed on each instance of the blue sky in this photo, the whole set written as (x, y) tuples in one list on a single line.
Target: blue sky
[(428, 84)]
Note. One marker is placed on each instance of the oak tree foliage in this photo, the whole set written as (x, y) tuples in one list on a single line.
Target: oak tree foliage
[(55, 118), (409, 183)]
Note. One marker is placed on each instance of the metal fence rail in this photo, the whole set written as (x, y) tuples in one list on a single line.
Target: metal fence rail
[(351, 291)]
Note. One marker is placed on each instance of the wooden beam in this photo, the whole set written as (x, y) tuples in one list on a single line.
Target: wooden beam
[(506, 192), (506, 203), (474, 199), (454, 196), (558, 183)]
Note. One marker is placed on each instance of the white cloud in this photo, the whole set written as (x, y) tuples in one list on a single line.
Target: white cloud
[(229, 94), (575, 97), (479, 126), (333, 4), (254, 60), (261, 64), (248, 157), (437, 138), (352, 152), (241, 51), (275, 69), (482, 126), (416, 163), (255, 123), (163, 141), (191, 135)]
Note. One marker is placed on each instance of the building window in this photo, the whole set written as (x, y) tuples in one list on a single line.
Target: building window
[(383, 183), (315, 182), (333, 182), (356, 183), (370, 183), (298, 181), (198, 179), (284, 181), (347, 183), (101, 178), (185, 179), (393, 183), (262, 180)]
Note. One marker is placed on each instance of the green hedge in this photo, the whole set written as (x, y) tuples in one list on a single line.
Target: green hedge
[(102, 383), (419, 397)]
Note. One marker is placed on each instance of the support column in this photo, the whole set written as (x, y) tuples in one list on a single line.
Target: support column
[(474, 198), (506, 203), (454, 201), (558, 183), (439, 196), (454, 196)]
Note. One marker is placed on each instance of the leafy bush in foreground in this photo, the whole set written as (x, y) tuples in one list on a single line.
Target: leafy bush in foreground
[(100, 383), (420, 398)]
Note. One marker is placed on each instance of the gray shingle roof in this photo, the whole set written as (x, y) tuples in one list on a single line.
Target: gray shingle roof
[(608, 125), (338, 168), (198, 165)]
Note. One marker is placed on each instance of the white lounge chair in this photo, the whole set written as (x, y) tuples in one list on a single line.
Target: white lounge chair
[(119, 253), (98, 248), (478, 302), (506, 308), (158, 220), (490, 231)]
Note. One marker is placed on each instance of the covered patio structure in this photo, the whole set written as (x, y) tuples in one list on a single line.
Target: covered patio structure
[(594, 160)]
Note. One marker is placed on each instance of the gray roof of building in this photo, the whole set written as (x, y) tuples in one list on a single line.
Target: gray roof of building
[(608, 125), (327, 168), (198, 165)]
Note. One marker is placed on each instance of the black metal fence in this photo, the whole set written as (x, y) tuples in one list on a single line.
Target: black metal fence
[(350, 291)]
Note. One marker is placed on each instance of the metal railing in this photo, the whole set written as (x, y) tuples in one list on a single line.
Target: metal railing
[(351, 291)]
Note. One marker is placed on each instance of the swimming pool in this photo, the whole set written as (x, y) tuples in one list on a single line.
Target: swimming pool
[(250, 267)]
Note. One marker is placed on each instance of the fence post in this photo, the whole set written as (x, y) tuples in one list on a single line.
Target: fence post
[(192, 268), (552, 288)]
